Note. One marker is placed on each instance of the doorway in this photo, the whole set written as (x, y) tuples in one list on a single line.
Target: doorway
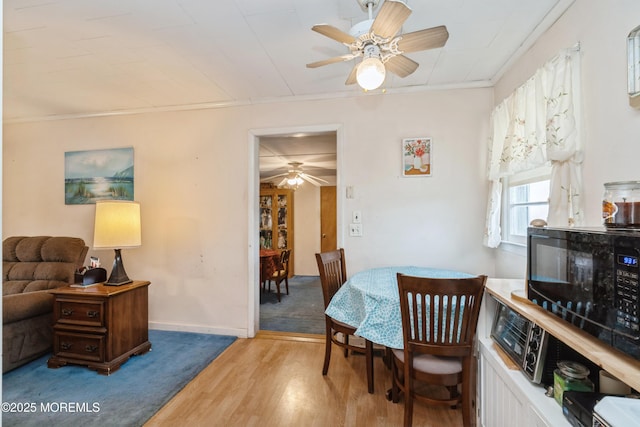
[(316, 148)]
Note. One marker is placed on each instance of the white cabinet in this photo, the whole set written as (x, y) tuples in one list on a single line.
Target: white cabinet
[(506, 397), (509, 399)]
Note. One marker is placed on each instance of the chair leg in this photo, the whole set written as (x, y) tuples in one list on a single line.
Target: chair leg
[(466, 409), (408, 394), (467, 396), (453, 394), (387, 358), (395, 378), (327, 350), (286, 282), (278, 289), (346, 341), (369, 361)]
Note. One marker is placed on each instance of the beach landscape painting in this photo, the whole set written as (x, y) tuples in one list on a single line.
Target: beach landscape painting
[(94, 175)]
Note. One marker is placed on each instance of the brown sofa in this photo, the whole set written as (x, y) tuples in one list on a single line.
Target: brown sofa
[(31, 266)]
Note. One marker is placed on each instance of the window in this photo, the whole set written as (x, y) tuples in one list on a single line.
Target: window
[(526, 198)]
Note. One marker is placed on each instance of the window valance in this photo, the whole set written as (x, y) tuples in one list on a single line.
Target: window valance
[(538, 125)]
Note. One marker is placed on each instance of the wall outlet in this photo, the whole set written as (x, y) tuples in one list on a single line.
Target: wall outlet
[(355, 230), (357, 217)]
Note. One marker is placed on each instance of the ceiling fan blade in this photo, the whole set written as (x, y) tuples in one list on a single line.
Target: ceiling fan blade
[(333, 60), (334, 33), (430, 38), (313, 179), (283, 182), (390, 18), (352, 75), (269, 178), (401, 66)]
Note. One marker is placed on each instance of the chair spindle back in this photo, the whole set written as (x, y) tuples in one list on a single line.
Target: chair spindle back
[(333, 273), (439, 316)]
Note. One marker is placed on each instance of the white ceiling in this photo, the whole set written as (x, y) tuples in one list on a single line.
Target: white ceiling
[(68, 58), (316, 152)]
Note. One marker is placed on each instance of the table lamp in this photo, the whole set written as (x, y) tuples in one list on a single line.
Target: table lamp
[(117, 226)]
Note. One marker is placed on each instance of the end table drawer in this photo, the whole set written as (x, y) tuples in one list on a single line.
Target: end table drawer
[(86, 313), (79, 346)]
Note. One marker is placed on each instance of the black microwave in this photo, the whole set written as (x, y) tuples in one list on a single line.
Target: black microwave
[(588, 277)]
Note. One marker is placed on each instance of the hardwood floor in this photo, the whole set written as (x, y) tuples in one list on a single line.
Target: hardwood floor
[(276, 379)]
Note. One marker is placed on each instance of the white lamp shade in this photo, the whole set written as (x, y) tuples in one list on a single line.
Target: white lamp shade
[(117, 225), (371, 73)]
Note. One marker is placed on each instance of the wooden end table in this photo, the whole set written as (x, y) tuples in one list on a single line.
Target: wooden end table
[(100, 326)]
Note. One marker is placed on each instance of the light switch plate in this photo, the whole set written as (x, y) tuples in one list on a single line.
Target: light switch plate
[(349, 192), (355, 230)]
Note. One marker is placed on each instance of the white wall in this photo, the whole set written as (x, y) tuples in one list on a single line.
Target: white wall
[(306, 227), (191, 178), (611, 127)]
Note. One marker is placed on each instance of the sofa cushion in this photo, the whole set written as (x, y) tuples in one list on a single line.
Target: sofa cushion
[(9, 248), (40, 263), (26, 305), (64, 249), (29, 248), (10, 287)]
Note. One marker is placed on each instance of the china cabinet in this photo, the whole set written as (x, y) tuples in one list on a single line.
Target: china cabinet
[(276, 220)]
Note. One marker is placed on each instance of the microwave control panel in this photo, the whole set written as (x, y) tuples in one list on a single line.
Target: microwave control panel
[(626, 276)]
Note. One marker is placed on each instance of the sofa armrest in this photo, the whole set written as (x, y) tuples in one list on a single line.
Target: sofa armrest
[(26, 305)]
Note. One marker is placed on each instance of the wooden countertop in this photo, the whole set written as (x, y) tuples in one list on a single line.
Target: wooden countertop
[(512, 292), (100, 289)]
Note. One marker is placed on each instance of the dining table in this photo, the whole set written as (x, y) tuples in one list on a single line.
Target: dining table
[(369, 302)]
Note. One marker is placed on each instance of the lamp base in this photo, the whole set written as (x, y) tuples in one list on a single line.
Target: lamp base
[(109, 283), (118, 276)]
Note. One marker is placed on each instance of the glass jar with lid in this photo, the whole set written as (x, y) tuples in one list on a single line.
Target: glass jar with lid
[(570, 376), (621, 204)]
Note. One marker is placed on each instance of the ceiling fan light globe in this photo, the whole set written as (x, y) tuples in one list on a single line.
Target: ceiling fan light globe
[(371, 73)]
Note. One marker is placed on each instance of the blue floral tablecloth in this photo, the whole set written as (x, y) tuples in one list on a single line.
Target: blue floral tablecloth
[(369, 302)]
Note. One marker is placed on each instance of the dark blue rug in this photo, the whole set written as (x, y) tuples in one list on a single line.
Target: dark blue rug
[(300, 311), (77, 396)]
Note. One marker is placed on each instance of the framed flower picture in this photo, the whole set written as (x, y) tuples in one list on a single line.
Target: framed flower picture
[(416, 157)]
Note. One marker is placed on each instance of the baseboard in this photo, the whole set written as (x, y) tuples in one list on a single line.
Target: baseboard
[(290, 336), (199, 329)]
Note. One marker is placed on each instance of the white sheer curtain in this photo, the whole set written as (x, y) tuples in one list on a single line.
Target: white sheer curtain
[(536, 126)]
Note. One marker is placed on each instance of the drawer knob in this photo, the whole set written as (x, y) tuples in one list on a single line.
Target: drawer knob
[(65, 345), (92, 314), (91, 348), (67, 312)]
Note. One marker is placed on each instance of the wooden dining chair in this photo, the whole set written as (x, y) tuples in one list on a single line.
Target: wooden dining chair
[(282, 272), (439, 319), (333, 274)]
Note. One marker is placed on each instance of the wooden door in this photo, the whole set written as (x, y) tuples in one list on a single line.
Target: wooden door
[(328, 236)]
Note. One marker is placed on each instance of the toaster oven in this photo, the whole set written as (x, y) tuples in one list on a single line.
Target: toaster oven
[(523, 341)]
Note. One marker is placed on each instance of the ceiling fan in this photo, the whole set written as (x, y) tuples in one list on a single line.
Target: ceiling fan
[(377, 42), (295, 177)]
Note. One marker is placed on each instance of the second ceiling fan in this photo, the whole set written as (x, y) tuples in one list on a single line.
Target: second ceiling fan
[(377, 41), (295, 177)]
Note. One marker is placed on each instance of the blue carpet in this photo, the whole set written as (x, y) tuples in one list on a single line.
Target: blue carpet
[(77, 396), (300, 311)]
